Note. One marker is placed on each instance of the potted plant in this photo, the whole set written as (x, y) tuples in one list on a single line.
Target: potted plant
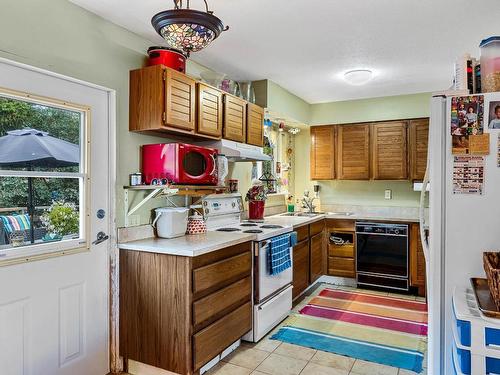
[(256, 198), (60, 219)]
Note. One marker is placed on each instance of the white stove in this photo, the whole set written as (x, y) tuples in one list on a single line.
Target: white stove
[(272, 294), (223, 214)]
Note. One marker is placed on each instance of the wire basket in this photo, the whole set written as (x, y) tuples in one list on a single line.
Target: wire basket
[(491, 263)]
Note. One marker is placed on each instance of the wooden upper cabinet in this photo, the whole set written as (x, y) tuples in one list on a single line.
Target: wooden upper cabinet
[(322, 152), (209, 110), (353, 152), (161, 100), (418, 144), (389, 152), (180, 100), (235, 118), (255, 125)]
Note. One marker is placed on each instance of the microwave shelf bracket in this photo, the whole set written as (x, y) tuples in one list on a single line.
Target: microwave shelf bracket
[(164, 190)]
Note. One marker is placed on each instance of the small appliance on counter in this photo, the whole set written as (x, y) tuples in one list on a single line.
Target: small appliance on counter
[(169, 57), (171, 222), (179, 163)]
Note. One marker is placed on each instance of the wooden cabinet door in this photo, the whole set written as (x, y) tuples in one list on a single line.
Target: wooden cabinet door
[(255, 125), (235, 118), (389, 153), (209, 109), (322, 152), (418, 142), (417, 261), (316, 257), (353, 152), (180, 100), (300, 267)]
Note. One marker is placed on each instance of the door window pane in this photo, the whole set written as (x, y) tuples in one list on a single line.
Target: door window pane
[(36, 137), (55, 213), (42, 174)]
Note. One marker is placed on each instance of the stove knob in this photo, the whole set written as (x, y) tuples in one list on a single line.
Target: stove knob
[(396, 231), (233, 204), (206, 210)]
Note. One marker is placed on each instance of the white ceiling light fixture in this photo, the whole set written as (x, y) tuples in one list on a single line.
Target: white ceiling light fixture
[(358, 77)]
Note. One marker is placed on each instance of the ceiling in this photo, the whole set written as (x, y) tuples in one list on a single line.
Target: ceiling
[(306, 46)]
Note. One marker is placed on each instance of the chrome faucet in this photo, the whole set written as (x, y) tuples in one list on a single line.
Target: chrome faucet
[(307, 201)]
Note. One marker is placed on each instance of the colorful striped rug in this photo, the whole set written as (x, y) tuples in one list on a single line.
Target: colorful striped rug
[(377, 328)]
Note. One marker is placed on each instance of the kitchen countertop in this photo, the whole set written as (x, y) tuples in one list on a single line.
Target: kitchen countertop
[(297, 221), (189, 245), (194, 245)]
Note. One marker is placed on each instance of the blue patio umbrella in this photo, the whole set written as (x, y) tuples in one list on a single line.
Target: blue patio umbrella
[(31, 148)]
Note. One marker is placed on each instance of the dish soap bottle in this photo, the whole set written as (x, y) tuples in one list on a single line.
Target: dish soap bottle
[(290, 207)]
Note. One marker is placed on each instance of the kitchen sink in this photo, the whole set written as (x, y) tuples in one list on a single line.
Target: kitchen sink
[(340, 213)]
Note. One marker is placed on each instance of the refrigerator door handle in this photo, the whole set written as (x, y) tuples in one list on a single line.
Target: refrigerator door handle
[(423, 224)]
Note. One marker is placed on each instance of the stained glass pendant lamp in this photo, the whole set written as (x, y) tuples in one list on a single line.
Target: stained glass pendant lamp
[(186, 29)]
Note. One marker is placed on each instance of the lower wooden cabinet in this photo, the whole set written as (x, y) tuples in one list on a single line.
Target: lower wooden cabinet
[(300, 267), (417, 261), (342, 257), (340, 266), (177, 313), (309, 256), (316, 259)]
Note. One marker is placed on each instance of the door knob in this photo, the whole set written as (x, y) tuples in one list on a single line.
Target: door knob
[(101, 237)]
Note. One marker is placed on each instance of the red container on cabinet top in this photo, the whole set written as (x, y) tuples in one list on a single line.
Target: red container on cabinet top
[(167, 56), (179, 163)]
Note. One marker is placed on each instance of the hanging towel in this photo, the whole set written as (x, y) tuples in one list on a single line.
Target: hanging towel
[(279, 254)]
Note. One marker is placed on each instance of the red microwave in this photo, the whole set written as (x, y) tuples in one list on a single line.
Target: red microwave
[(179, 163)]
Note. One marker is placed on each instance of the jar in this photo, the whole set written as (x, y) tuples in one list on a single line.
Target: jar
[(490, 64), (196, 224)]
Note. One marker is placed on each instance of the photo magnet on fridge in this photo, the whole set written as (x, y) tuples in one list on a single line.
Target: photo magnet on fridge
[(479, 144), (466, 120), (494, 116)]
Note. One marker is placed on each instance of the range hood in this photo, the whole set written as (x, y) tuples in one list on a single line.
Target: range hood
[(235, 151)]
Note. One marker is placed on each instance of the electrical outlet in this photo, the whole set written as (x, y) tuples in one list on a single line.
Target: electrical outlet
[(134, 220), (388, 194)]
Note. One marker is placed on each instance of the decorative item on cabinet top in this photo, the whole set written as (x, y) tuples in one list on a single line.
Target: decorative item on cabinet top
[(165, 102)]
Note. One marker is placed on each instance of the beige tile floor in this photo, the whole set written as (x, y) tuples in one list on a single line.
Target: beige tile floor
[(274, 357)]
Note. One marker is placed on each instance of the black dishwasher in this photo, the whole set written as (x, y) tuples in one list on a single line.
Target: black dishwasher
[(382, 255)]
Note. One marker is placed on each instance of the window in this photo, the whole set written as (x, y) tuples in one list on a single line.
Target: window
[(277, 173), (43, 174)]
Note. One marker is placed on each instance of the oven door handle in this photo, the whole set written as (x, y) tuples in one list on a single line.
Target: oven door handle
[(273, 298)]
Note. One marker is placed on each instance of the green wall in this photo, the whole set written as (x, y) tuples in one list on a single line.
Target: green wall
[(368, 193), (375, 109), (61, 37)]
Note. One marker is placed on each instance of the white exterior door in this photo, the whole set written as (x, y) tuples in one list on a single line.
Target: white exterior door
[(54, 306)]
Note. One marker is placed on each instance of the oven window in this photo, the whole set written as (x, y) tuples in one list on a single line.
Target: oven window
[(386, 255), (194, 163)]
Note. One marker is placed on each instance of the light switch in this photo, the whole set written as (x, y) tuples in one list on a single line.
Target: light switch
[(388, 194)]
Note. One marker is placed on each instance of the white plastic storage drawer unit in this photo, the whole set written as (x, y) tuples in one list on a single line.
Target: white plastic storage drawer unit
[(476, 349)]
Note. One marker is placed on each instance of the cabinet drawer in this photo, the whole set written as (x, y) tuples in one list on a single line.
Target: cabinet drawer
[(220, 274), (338, 266), (343, 251), (316, 227), (215, 338), (340, 224), (218, 304), (302, 233)]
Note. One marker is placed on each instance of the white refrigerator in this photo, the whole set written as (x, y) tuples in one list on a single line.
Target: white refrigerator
[(462, 224)]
